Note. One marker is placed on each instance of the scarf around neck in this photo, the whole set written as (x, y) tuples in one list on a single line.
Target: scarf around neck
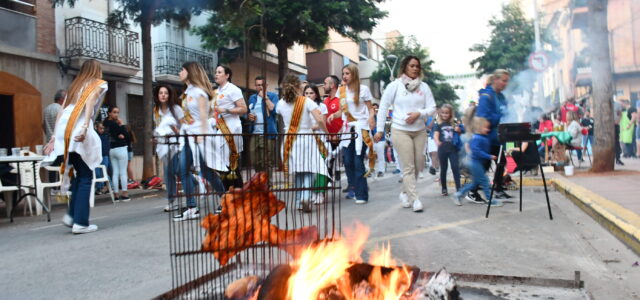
[(410, 84)]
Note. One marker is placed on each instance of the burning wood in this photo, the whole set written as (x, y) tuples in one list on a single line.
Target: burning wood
[(246, 220)]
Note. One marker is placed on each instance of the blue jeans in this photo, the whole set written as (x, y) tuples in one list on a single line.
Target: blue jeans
[(80, 188), (303, 180), (587, 143), (479, 179), (354, 167), (171, 170), (105, 163), (119, 159), (186, 161)]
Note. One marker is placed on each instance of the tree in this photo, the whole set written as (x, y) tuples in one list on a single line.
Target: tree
[(285, 23), (511, 42), (443, 92), (148, 13), (602, 83)]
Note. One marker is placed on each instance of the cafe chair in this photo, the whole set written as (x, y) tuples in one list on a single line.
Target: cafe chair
[(104, 178), (43, 186)]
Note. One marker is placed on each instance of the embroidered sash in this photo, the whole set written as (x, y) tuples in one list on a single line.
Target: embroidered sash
[(229, 138), (75, 115), (366, 137), (188, 119), (293, 129), (343, 104)]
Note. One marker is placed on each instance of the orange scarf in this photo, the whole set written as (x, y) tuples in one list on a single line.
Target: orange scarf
[(293, 129), (75, 115), (229, 138)]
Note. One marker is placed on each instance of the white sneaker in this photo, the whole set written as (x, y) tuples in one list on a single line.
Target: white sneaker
[(79, 229), (171, 207), (187, 214), (421, 176), (319, 199), (405, 200), (417, 206), (360, 201), (67, 220)]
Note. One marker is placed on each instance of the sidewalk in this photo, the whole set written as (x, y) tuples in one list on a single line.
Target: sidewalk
[(609, 198)]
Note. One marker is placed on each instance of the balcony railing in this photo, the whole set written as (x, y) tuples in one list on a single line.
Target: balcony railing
[(170, 57), (92, 39)]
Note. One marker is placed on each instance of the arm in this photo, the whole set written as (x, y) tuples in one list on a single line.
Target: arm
[(372, 119), (88, 112), (271, 106), (634, 117), (477, 148), (240, 109), (429, 105), (436, 137), (317, 115), (386, 101), (487, 110), (202, 108)]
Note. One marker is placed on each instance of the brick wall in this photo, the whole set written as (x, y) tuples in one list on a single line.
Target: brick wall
[(45, 27)]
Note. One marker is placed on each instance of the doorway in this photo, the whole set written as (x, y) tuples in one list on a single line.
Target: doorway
[(7, 140)]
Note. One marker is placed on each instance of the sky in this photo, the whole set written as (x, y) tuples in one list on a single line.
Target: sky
[(448, 28)]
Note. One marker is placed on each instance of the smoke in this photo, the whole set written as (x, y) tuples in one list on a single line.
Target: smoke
[(523, 102)]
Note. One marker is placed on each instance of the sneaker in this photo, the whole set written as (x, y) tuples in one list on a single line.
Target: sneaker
[(473, 198), (171, 207), (218, 209), (496, 203), (350, 195), (79, 229), (125, 199), (421, 175), (67, 220), (502, 195), (432, 171), (417, 206), (319, 199), (187, 214), (129, 181), (619, 162), (380, 174), (360, 201), (304, 206), (404, 199), (396, 171), (444, 192), (456, 199)]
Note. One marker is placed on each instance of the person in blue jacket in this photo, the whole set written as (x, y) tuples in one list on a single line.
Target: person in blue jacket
[(262, 115), (491, 106)]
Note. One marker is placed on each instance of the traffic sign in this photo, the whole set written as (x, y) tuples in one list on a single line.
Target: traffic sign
[(539, 61)]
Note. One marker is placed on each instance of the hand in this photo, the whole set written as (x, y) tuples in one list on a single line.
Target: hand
[(121, 136), (412, 117), (252, 117), (261, 93), (175, 129), (119, 122), (378, 136), (81, 136), (493, 157), (221, 110), (372, 123), (330, 118), (48, 148), (457, 129)]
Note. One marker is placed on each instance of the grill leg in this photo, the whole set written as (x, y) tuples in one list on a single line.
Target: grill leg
[(493, 186), (546, 193)]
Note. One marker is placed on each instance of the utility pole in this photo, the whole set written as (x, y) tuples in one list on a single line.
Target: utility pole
[(536, 28)]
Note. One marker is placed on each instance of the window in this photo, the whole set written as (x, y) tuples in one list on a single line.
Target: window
[(23, 6), (175, 34), (364, 48)]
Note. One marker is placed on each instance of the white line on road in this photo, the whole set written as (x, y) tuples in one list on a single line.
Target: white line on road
[(56, 225)]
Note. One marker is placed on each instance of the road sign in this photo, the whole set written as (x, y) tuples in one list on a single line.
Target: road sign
[(539, 61)]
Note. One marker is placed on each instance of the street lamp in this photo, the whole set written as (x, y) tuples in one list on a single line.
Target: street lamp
[(394, 59)]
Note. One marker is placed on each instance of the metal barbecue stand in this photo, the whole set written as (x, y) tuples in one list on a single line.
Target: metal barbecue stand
[(518, 133)]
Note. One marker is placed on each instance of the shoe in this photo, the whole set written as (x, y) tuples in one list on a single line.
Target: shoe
[(360, 201), (171, 207), (67, 220), (350, 195), (304, 206), (129, 181), (432, 171), (346, 190), (116, 198), (319, 199), (496, 203), (474, 199), (125, 199), (79, 229), (404, 199), (444, 192), (218, 209), (396, 171), (417, 206), (400, 180), (456, 199), (380, 174), (619, 162), (502, 195), (187, 214), (421, 175)]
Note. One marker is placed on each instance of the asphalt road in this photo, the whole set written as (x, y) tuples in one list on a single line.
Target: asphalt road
[(128, 258)]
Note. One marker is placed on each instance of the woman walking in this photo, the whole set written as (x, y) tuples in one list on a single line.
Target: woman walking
[(119, 154), (412, 103), (167, 115), (199, 151), (300, 153), (79, 147), (228, 105)]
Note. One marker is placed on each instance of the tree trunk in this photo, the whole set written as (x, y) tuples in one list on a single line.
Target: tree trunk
[(602, 82), (283, 61), (147, 91)]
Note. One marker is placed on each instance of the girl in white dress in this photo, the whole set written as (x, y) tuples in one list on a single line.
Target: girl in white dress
[(301, 155), (198, 152), (311, 91), (77, 142), (167, 117)]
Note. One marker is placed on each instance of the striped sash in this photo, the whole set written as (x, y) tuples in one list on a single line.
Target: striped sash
[(293, 129)]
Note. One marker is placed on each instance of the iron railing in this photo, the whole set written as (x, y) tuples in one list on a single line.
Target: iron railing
[(89, 38), (170, 57)]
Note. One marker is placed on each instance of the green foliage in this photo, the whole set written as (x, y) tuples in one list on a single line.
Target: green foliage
[(511, 42), (443, 92)]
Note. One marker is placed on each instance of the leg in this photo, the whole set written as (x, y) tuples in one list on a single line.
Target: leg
[(443, 157), (129, 165), (500, 164), (380, 164), (361, 188), (348, 159), (170, 165), (419, 139), (455, 166), (213, 178), (404, 145), (257, 153), (123, 161), (80, 198), (617, 141), (115, 171), (186, 161)]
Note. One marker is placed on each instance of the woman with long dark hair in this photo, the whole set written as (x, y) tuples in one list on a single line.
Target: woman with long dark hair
[(118, 154), (167, 115), (78, 144), (311, 91)]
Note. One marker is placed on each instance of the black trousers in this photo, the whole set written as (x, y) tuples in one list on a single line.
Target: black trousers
[(617, 142)]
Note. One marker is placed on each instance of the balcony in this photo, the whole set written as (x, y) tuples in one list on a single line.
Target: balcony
[(579, 14), (170, 57), (118, 47)]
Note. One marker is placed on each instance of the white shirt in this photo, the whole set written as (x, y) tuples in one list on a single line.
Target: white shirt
[(164, 122), (323, 110), (256, 110), (306, 120), (193, 93), (228, 94), (404, 102), (360, 112)]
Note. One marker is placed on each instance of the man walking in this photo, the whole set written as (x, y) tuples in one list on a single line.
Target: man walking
[(51, 113), (262, 115), (334, 125)]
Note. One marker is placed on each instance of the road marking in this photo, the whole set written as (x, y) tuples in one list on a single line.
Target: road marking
[(56, 225)]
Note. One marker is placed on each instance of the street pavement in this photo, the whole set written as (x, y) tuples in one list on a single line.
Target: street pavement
[(128, 258)]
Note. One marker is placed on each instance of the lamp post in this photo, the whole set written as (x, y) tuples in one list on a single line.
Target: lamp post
[(391, 67)]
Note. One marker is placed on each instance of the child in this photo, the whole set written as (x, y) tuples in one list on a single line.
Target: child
[(587, 122), (106, 146), (446, 134), (480, 147)]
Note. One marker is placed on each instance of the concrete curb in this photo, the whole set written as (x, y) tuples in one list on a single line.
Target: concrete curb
[(621, 222), (526, 181)]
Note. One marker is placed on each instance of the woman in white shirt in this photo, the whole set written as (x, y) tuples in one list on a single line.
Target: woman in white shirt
[(301, 155), (228, 106), (198, 152), (167, 116), (412, 103), (311, 91), (78, 144), (356, 110)]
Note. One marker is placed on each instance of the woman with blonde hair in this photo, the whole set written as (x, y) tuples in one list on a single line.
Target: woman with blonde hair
[(356, 110), (300, 153), (79, 147), (197, 151), (412, 103)]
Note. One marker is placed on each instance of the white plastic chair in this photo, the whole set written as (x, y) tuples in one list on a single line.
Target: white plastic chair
[(8, 196), (42, 186), (104, 178), (27, 178)]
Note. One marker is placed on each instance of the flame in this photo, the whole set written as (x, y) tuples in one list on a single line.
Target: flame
[(324, 265)]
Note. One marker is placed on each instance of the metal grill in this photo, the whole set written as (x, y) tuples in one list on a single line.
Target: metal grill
[(169, 58), (92, 39), (252, 236)]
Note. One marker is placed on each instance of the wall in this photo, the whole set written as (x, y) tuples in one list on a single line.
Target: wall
[(344, 46)]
